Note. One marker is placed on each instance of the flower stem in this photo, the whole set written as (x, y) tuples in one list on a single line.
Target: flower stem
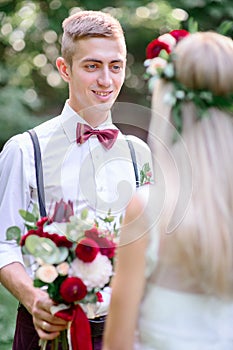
[(64, 342), (54, 344), (42, 344)]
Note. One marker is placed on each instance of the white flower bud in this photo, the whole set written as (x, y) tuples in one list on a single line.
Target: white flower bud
[(63, 268), (47, 273)]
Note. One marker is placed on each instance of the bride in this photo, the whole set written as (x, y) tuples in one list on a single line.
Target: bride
[(173, 287)]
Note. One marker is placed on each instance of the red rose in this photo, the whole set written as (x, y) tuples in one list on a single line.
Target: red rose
[(93, 233), (154, 48), (42, 221), (107, 247), (60, 241), (39, 232), (73, 289), (179, 34), (87, 249)]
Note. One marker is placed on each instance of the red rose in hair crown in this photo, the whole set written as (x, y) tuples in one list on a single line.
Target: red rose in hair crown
[(158, 53), (165, 42)]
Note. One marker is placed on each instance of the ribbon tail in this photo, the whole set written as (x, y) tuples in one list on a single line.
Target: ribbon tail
[(80, 331), (69, 336)]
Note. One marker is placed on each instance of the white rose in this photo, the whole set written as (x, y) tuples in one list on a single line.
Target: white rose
[(156, 63), (168, 39), (47, 273), (63, 268), (94, 274)]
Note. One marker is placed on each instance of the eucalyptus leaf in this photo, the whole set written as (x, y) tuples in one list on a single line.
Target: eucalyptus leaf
[(43, 248), (27, 216), (48, 251), (13, 233), (32, 243), (24, 250), (64, 252)]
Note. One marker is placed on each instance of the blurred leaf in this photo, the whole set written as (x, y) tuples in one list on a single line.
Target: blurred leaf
[(84, 214), (13, 233), (225, 27), (28, 94), (192, 25), (27, 216)]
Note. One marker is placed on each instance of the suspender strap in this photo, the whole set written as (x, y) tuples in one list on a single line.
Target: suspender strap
[(133, 156), (39, 172)]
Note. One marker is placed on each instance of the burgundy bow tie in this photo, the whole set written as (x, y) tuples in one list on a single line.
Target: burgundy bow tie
[(107, 137)]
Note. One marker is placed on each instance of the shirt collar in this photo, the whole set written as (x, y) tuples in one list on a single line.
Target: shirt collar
[(69, 119)]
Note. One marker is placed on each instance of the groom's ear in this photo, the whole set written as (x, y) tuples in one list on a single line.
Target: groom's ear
[(63, 69)]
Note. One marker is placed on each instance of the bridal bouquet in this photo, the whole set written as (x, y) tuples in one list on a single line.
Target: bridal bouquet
[(73, 261)]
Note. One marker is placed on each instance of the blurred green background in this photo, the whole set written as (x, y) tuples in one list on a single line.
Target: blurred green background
[(30, 87)]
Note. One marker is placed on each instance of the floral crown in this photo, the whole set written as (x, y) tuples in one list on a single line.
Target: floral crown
[(160, 64)]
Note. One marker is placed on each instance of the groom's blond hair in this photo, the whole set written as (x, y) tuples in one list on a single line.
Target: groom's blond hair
[(85, 24)]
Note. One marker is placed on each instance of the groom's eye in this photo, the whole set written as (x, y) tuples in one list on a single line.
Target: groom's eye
[(116, 67), (91, 66)]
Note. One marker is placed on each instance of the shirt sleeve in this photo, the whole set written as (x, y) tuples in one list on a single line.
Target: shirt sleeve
[(14, 195)]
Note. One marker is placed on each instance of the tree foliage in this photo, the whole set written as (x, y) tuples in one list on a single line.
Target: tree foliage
[(30, 34)]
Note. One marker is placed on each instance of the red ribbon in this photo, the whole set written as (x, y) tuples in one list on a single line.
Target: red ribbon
[(80, 331)]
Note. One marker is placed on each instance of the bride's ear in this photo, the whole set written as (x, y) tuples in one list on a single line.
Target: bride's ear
[(63, 69)]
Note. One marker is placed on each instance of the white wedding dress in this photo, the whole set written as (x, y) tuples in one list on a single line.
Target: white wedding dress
[(176, 320)]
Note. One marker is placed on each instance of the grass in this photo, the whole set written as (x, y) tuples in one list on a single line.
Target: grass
[(8, 309)]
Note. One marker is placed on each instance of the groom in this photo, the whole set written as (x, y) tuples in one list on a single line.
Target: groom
[(76, 166)]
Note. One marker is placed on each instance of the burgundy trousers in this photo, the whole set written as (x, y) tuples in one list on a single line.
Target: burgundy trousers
[(26, 337)]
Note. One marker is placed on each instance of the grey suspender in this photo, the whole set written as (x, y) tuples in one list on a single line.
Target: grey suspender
[(39, 169), (39, 172), (133, 157)]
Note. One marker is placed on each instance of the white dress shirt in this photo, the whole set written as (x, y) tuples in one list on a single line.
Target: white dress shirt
[(87, 174)]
